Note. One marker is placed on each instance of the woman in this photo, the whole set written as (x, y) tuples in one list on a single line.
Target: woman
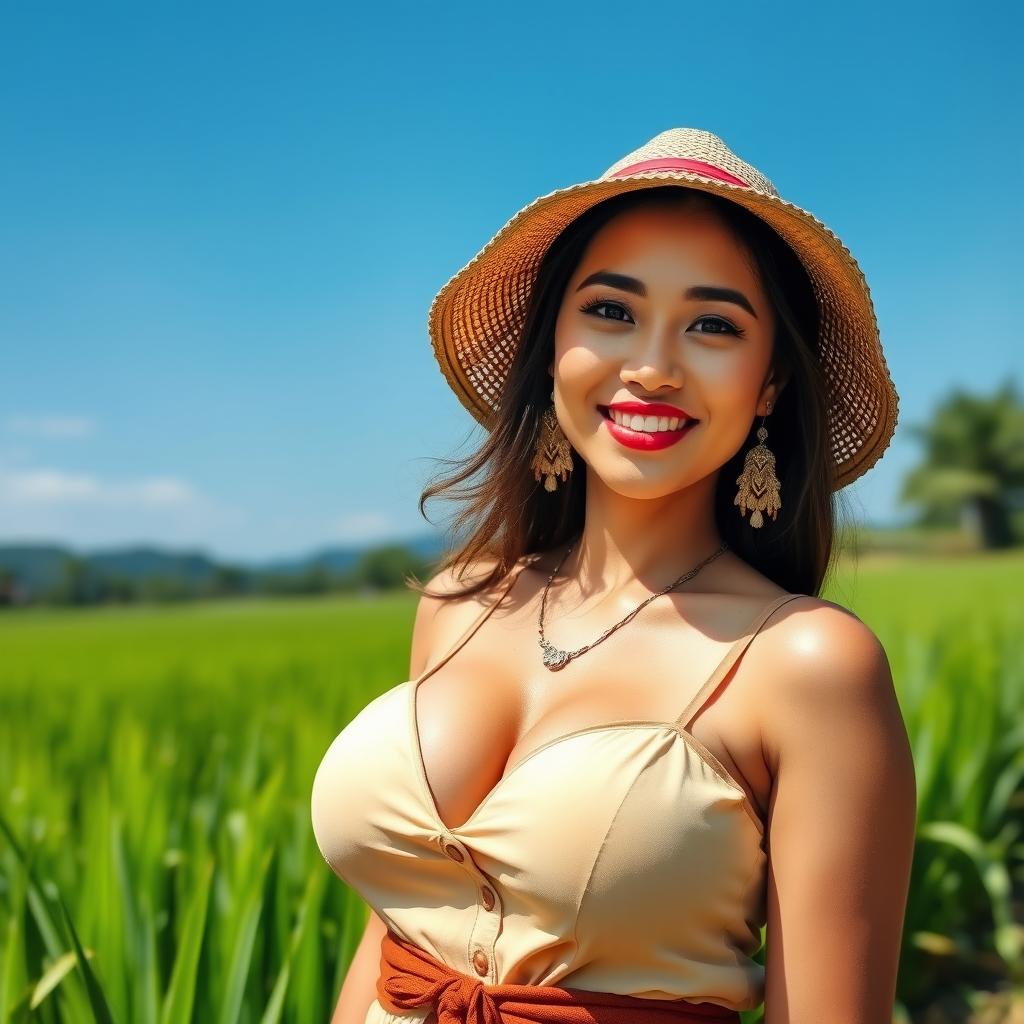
[(677, 369)]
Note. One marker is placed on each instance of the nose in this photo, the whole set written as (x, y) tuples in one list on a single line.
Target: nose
[(654, 362)]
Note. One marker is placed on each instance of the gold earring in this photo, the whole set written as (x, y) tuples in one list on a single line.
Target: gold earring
[(759, 486), (552, 456)]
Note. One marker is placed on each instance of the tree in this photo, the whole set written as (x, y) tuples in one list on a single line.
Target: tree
[(8, 585), (228, 579), (316, 579), (973, 463), (77, 585), (385, 567)]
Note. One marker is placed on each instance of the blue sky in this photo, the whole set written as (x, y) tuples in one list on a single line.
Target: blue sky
[(222, 228)]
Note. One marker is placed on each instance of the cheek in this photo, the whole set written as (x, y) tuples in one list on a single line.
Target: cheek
[(577, 362), (584, 381), (729, 379), (567, 335), (580, 363)]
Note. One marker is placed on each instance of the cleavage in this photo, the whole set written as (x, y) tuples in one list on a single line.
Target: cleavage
[(471, 736)]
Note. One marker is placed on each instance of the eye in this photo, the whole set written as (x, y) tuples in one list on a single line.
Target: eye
[(616, 307), (728, 328), (618, 312)]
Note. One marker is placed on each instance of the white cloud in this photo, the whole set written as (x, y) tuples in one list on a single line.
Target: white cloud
[(47, 486), (52, 487), (360, 527), (43, 504), (52, 426), (157, 490)]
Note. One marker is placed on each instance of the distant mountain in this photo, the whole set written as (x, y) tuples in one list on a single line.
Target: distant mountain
[(340, 559), (146, 562), (37, 566), (41, 566), (337, 558)]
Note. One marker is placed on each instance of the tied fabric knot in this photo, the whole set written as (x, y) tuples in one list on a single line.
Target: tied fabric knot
[(466, 999), (456, 998), (410, 977)]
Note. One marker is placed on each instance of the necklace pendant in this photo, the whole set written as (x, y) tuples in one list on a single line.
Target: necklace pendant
[(554, 657)]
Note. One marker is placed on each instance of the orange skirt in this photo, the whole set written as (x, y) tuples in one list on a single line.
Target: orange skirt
[(410, 977)]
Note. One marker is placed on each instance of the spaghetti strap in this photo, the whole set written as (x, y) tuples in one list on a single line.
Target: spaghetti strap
[(465, 638), (700, 698)]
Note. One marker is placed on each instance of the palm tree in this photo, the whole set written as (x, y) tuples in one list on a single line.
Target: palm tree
[(973, 463)]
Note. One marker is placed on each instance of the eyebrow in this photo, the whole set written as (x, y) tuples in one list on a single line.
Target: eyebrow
[(699, 292)]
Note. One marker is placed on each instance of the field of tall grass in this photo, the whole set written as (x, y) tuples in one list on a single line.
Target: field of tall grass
[(156, 762)]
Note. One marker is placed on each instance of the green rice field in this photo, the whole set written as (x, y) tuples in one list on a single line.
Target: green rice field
[(156, 762)]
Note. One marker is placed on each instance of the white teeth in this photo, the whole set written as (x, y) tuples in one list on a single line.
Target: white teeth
[(649, 424)]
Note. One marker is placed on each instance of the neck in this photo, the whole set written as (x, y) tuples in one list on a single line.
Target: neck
[(650, 541)]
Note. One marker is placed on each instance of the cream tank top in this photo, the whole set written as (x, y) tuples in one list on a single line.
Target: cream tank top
[(615, 858)]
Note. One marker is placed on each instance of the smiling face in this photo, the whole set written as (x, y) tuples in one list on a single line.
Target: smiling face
[(664, 306)]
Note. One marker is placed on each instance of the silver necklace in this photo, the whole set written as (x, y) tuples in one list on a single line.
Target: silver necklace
[(555, 658)]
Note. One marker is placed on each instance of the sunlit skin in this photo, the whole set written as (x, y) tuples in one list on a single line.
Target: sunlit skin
[(649, 513)]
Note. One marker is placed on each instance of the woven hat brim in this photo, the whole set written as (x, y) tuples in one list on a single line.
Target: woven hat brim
[(476, 318)]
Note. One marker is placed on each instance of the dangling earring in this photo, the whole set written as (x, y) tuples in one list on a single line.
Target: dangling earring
[(759, 486), (552, 456)]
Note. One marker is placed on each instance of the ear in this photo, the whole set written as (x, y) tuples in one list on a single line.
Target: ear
[(770, 393)]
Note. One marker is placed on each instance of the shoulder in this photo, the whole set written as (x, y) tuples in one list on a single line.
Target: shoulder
[(816, 634), (825, 672), (444, 589), (442, 611), (820, 634), (447, 585)]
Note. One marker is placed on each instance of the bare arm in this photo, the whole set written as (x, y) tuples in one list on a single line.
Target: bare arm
[(360, 985), (841, 822)]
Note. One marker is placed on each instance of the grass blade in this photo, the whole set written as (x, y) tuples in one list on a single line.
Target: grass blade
[(241, 957), (100, 1010), (48, 930), (180, 995)]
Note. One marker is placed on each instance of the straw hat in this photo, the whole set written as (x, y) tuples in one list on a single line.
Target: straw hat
[(476, 319)]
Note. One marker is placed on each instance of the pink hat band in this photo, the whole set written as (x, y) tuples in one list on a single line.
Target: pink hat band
[(680, 164)]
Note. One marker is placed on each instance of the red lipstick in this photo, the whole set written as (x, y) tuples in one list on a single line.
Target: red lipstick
[(650, 409), (647, 440)]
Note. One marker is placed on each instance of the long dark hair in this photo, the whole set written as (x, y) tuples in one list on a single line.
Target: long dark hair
[(508, 514)]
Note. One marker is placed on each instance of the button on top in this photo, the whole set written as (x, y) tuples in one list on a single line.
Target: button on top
[(487, 895), (454, 852), (480, 962)]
